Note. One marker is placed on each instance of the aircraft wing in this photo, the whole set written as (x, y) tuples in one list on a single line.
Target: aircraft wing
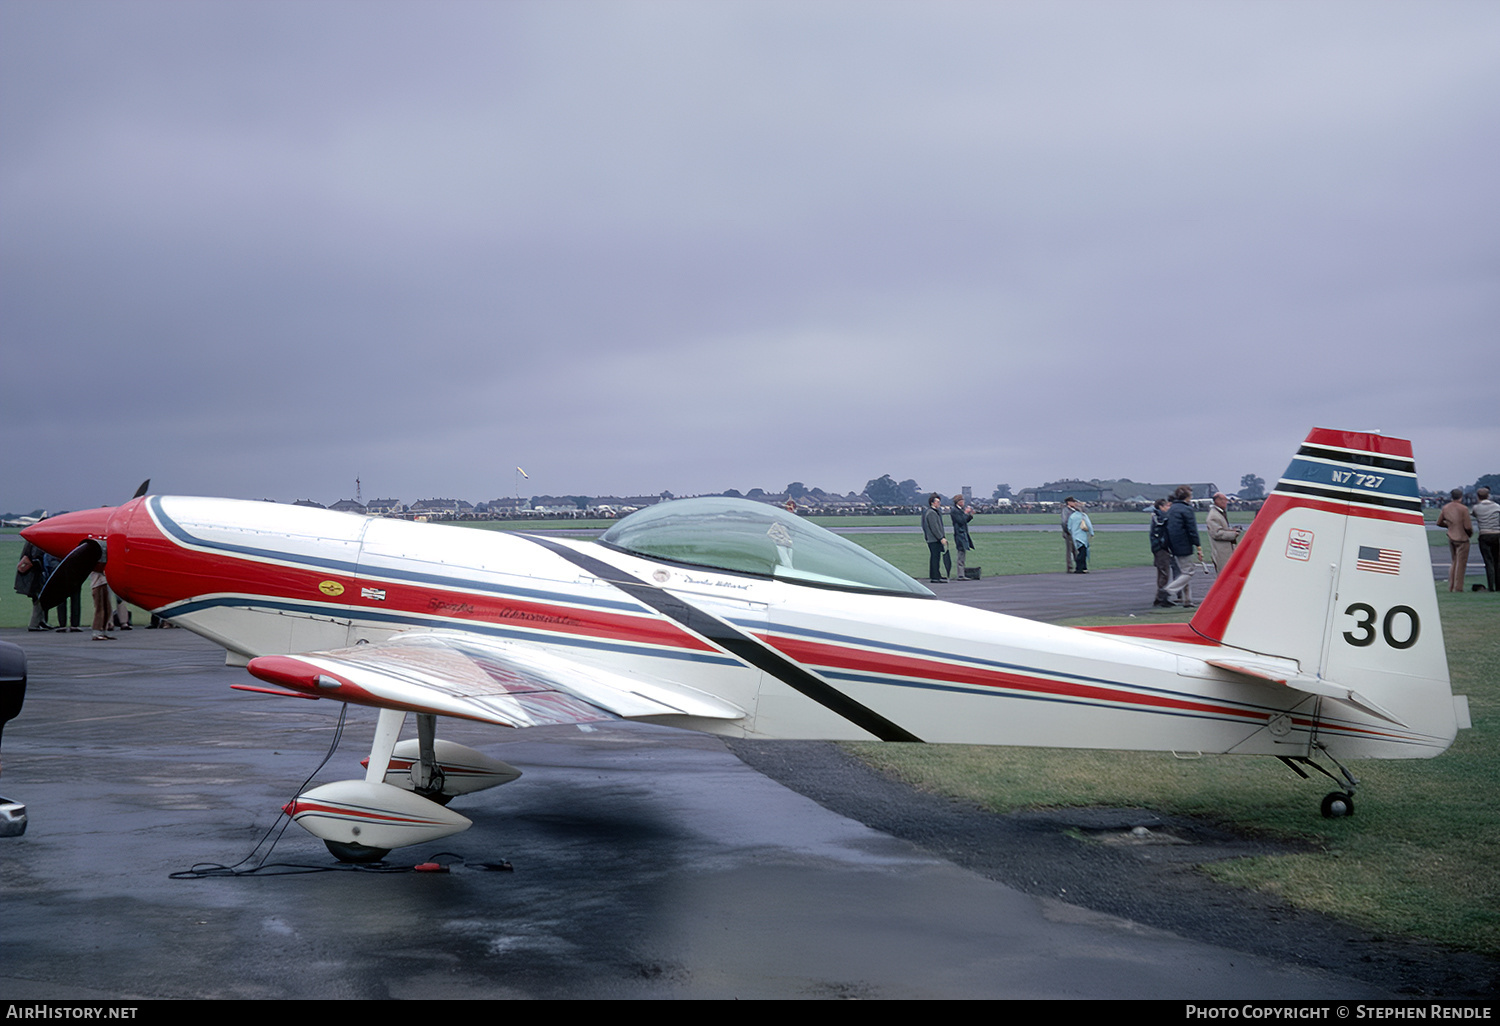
[(453, 673)]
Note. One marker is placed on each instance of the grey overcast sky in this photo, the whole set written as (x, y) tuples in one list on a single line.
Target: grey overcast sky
[(262, 248)]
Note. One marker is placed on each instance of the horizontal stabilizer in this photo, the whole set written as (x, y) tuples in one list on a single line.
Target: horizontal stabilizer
[(1311, 685)]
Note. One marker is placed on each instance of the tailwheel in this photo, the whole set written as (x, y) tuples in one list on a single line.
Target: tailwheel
[(1337, 805), (361, 853)]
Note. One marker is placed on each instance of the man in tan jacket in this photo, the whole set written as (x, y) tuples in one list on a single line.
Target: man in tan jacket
[(1221, 536), (1455, 517)]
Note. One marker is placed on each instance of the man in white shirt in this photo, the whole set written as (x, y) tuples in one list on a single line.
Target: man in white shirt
[(1487, 532)]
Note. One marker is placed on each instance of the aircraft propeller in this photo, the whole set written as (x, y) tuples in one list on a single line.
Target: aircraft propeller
[(76, 566)]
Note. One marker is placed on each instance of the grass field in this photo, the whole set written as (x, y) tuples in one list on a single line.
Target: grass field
[(1015, 552), (1012, 552), (836, 524)]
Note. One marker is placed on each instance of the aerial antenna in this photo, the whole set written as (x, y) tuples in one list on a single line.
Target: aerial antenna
[(357, 497)]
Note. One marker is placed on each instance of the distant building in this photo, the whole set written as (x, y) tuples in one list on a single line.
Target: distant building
[(441, 507), (1057, 491), (1121, 490), (384, 507), (348, 506)]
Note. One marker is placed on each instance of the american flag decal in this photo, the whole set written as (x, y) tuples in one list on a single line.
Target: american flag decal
[(1381, 561)]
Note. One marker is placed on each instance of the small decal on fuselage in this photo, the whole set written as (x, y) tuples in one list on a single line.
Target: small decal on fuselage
[(377, 594), (714, 582), (1299, 544), (330, 587)]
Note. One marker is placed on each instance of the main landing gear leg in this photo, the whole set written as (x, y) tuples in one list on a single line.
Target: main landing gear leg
[(1336, 804), (387, 730), (426, 774), (362, 820)]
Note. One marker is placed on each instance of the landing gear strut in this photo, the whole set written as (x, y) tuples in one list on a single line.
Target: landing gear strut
[(1336, 804), (362, 820)]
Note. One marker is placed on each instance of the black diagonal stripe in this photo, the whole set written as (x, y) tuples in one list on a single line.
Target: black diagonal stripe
[(1364, 459), (736, 642)]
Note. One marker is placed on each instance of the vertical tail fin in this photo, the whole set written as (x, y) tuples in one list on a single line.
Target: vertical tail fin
[(1335, 573)]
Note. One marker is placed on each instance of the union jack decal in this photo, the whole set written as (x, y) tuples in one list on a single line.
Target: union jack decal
[(1299, 544)]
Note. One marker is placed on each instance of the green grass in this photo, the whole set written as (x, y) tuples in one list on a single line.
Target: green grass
[(837, 524), (1416, 858), (1014, 552)]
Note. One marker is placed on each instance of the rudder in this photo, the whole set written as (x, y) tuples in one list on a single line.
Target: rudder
[(1335, 573)]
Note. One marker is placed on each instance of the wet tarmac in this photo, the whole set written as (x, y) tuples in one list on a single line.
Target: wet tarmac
[(646, 862)]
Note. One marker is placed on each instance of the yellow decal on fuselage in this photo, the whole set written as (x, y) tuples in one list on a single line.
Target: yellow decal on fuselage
[(331, 588)]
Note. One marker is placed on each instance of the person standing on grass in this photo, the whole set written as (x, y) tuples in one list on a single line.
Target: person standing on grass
[(937, 540), (1182, 537), (962, 543), (1081, 530), (1161, 552), (1067, 511), (1460, 524), (1487, 526), (1221, 536), (29, 580)]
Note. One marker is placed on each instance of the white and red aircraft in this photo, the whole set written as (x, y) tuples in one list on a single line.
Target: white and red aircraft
[(1321, 637)]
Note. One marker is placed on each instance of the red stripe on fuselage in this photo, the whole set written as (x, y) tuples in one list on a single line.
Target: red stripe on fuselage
[(156, 571), (824, 655), (1179, 632), (838, 657)]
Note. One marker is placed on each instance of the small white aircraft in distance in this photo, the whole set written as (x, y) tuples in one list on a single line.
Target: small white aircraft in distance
[(1319, 641)]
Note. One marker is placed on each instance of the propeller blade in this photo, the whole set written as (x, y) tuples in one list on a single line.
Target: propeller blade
[(142, 489), (70, 573)]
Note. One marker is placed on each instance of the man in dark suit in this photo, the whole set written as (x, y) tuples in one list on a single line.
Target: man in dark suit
[(937, 540)]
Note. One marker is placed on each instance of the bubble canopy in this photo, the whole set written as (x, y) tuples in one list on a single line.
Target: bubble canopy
[(747, 537)]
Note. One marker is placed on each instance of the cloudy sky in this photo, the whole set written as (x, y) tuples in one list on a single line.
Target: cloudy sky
[(260, 249)]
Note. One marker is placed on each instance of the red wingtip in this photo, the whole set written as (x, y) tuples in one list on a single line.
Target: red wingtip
[(288, 671)]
